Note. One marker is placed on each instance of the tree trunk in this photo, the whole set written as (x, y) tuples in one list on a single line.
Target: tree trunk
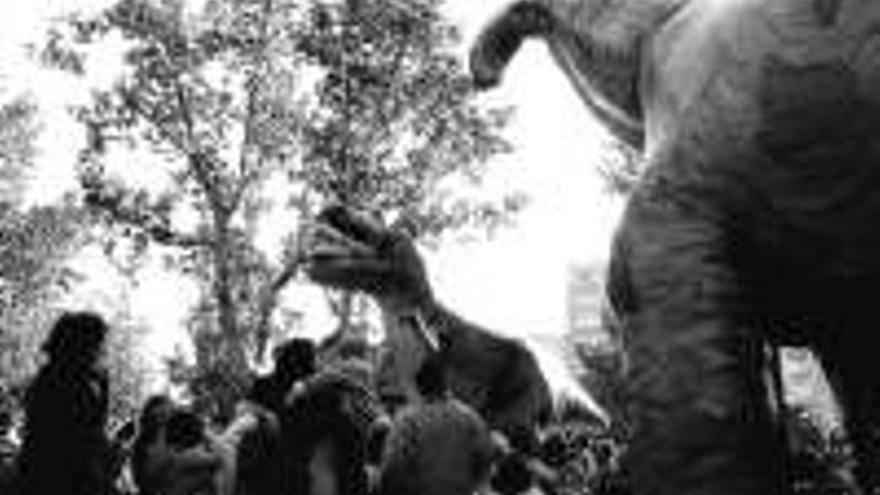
[(232, 347)]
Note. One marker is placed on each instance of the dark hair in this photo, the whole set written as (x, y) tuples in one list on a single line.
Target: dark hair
[(126, 431), (153, 417), (554, 450), (259, 466), (512, 475), (151, 413), (376, 437), (295, 359), (5, 420), (75, 336), (431, 377), (184, 429)]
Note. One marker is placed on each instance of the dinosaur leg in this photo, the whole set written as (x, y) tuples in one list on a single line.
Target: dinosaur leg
[(697, 402), (851, 363)]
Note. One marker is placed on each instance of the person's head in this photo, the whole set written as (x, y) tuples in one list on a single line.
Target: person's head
[(125, 433), (431, 377), (512, 476), (76, 337), (339, 455), (353, 348), (295, 359), (358, 372), (155, 412), (5, 422), (376, 437), (184, 429), (554, 450)]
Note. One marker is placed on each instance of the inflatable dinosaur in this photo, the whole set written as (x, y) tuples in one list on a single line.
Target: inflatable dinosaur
[(755, 221)]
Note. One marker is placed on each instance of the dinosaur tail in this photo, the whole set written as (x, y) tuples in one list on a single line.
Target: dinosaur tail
[(569, 397)]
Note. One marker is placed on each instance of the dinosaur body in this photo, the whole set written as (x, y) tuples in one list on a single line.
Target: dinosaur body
[(755, 220), (775, 103), (772, 108), (498, 376)]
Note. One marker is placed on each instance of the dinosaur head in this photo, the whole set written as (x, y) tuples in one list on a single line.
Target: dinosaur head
[(596, 44), (351, 250), (501, 38)]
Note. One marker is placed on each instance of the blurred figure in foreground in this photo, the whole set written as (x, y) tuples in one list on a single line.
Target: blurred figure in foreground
[(438, 447), (295, 360), (65, 448), (173, 454), (8, 450)]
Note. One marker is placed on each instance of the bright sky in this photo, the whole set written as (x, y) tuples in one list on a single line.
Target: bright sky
[(514, 283)]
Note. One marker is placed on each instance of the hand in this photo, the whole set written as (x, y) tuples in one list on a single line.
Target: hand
[(352, 251)]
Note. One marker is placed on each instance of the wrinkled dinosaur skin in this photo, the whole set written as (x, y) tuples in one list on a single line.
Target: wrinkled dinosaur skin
[(755, 222)]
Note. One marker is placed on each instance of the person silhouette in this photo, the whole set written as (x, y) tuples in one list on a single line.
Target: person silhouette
[(65, 448)]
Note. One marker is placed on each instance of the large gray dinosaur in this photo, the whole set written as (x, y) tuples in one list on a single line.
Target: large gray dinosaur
[(756, 220)]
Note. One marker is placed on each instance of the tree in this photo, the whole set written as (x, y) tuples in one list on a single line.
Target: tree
[(393, 125), (125, 361), (35, 242), (220, 101), (18, 130), (34, 247), (820, 458), (193, 100), (393, 116)]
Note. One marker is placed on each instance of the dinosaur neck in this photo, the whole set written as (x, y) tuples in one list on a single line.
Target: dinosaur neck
[(600, 45), (440, 324), (444, 323)]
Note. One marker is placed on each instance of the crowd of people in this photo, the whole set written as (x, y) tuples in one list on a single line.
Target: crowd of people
[(312, 426)]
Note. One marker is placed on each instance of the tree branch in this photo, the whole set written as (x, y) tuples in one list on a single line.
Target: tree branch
[(132, 102), (186, 146), (269, 301), (246, 177), (155, 228), (195, 158)]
